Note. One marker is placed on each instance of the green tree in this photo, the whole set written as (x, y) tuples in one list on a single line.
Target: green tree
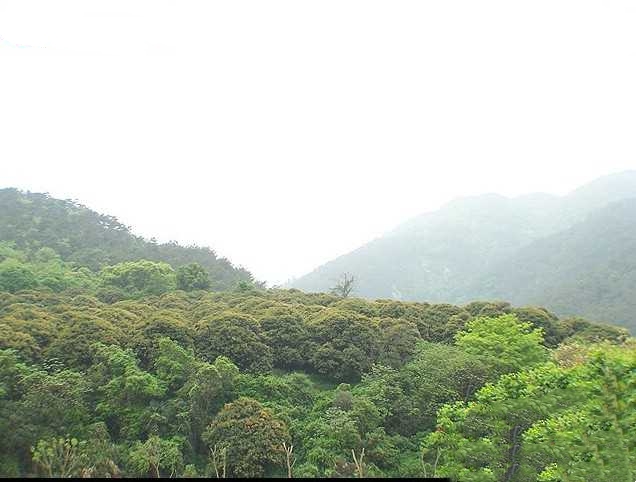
[(488, 308), (482, 440), (101, 453), (75, 343), (19, 341), (399, 341), (32, 221), (158, 392), (385, 387), (553, 330), (157, 457), (192, 277), (351, 423), (288, 337), (253, 436), (237, 336), (594, 440), (346, 345), (59, 457), (438, 323), (508, 344), (42, 405), (164, 324), (15, 277), (438, 374), (202, 387), (127, 395), (578, 329), (140, 278)]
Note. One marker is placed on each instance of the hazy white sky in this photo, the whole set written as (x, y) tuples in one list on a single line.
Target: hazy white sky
[(285, 133)]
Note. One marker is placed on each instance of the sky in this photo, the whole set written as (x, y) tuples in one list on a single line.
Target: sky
[(285, 133)]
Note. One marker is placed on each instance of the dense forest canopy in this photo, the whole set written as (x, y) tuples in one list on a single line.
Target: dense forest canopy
[(83, 237), (162, 364), (572, 254), (195, 383)]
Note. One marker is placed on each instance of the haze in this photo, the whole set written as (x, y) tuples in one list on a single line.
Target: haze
[(283, 134)]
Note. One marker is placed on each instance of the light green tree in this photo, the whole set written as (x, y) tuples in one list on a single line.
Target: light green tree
[(192, 277), (16, 277), (157, 456), (140, 278), (508, 344), (60, 457), (594, 440)]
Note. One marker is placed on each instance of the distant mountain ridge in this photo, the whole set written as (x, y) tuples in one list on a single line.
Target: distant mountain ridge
[(589, 268), (494, 247), (87, 238)]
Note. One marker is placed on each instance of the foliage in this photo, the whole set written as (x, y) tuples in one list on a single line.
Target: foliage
[(253, 436), (594, 440), (85, 238), (140, 278), (508, 344), (346, 344), (157, 457), (118, 359), (288, 337), (126, 393), (438, 374), (192, 277), (550, 423), (398, 343), (237, 336), (15, 277), (196, 382), (60, 457)]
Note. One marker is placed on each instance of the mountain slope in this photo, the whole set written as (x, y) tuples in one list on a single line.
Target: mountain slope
[(459, 252), (430, 256), (589, 269), (80, 235)]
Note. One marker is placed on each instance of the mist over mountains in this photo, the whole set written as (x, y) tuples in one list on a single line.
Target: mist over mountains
[(115, 348), (574, 254)]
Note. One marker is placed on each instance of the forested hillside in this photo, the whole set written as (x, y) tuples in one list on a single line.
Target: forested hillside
[(490, 246), (115, 365), (278, 383), (589, 268), (85, 238)]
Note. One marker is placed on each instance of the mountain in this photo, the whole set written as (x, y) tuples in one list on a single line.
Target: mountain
[(86, 238), (494, 247), (588, 269)]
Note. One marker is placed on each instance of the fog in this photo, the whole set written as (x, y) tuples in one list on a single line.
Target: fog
[(283, 134)]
